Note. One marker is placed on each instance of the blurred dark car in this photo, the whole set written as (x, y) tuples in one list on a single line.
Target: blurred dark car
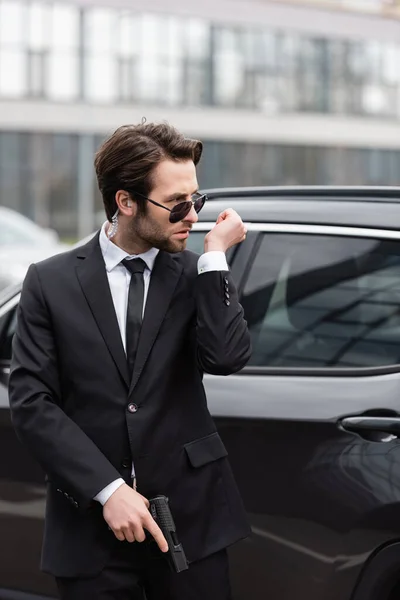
[(311, 424)]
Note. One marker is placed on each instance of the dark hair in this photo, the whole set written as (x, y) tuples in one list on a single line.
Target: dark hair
[(127, 159)]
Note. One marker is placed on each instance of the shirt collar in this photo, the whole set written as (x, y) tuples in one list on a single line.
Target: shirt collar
[(113, 254)]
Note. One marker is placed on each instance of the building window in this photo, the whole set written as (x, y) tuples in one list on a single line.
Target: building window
[(12, 23), (11, 170), (197, 63), (128, 44), (100, 73), (160, 66), (64, 65), (38, 23), (13, 75)]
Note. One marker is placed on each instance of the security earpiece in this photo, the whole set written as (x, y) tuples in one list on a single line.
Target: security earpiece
[(129, 203)]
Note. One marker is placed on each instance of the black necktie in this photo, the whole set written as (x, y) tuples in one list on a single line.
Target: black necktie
[(136, 266)]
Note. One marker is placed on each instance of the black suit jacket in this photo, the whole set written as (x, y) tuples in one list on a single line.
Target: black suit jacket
[(69, 395)]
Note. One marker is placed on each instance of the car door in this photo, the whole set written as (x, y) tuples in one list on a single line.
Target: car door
[(22, 489), (321, 485)]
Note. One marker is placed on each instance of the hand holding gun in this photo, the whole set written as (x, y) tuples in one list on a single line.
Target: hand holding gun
[(160, 511)]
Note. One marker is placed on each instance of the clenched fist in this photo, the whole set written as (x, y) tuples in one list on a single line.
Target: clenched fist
[(127, 515), (228, 231)]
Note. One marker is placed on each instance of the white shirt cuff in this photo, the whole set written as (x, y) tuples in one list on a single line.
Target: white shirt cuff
[(214, 260), (108, 491)]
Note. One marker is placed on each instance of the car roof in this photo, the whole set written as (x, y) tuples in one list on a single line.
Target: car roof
[(309, 204)]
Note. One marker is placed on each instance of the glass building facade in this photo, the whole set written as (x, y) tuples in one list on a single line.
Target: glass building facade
[(66, 54), (62, 52)]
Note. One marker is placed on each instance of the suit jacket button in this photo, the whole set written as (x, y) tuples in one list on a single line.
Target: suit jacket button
[(126, 462), (132, 408), (226, 280), (227, 302)]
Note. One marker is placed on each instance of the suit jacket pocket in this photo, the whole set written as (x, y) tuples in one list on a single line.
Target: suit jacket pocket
[(205, 450)]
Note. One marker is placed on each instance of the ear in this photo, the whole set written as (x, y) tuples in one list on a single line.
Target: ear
[(125, 204)]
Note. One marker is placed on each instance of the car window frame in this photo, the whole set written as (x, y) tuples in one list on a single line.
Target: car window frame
[(311, 229), (10, 305)]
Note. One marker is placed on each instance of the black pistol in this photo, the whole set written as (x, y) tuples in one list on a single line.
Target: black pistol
[(159, 510)]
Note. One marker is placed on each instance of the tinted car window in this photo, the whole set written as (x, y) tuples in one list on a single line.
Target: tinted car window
[(8, 324), (324, 301)]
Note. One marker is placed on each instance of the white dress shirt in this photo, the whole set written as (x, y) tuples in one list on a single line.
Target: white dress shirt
[(119, 279)]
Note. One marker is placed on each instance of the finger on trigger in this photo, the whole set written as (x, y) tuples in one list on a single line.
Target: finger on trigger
[(157, 534)]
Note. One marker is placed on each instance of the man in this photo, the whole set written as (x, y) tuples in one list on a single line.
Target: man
[(106, 381)]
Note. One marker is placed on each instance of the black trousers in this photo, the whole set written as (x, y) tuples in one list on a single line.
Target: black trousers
[(140, 572)]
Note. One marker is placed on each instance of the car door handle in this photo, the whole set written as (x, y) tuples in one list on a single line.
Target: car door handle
[(359, 424)]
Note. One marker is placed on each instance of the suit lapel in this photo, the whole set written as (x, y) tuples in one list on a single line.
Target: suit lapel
[(164, 278), (92, 276)]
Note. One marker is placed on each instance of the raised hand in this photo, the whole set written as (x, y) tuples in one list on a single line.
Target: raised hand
[(228, 231)]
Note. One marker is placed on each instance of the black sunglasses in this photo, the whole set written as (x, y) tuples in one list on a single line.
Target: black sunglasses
[(180, 210)]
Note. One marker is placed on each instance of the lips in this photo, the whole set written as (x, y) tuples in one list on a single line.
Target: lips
[(183, 234)]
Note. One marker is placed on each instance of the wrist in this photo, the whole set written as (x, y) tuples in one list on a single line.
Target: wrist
[(213, 246), (110, 491)]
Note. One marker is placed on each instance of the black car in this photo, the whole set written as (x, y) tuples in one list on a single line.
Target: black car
[(311, 425)]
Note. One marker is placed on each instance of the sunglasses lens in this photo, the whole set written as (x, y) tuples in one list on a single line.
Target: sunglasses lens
[(180, 211), (199, 203)]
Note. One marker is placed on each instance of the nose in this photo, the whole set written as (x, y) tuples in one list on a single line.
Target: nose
[(192, 216)]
